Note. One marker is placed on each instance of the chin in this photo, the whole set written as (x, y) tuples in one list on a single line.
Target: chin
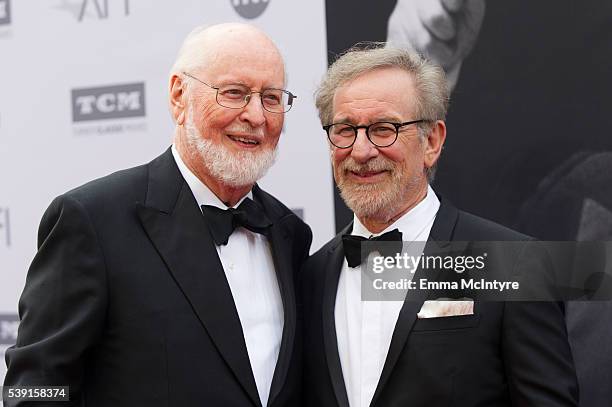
[(238, 168), (370, 200)]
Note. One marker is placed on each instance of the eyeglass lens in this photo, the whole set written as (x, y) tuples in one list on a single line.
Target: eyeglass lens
[(381, 134), (238, 96)]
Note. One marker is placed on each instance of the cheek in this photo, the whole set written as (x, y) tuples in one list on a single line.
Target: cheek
[(274, 125), (215, 118), (405, 153), (337, 157), (394, 154)]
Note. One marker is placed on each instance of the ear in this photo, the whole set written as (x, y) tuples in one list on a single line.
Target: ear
[(434, 142), (177, 99)]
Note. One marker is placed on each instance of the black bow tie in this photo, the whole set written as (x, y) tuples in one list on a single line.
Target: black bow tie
[(222, 222), (352, 246)]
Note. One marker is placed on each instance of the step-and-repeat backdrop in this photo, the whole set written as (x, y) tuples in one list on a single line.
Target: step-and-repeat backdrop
[(83, 92)]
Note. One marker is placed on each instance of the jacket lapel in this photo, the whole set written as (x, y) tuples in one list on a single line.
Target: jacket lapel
[(332, 276), (440, 235), (175, 225), (282, 255)]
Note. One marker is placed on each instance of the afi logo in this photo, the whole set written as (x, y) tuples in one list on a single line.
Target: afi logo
[(5, 12), (101, 8), (5, 227), (250, 8), (109, 102), (8, 329)]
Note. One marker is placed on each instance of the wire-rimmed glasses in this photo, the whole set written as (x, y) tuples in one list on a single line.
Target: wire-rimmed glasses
[(237, 96)]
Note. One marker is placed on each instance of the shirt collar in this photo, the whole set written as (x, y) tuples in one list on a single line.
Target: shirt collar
[(201, 192), (412, 224)]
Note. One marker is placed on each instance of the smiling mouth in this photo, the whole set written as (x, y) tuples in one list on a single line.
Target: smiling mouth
[(367, 175), (244, 140)]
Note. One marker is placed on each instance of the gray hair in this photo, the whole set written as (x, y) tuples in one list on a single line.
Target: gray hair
[(432, 92)]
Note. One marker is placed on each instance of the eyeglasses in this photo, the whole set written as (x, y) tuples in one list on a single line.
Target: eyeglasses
[(236, 96), (381, 134)]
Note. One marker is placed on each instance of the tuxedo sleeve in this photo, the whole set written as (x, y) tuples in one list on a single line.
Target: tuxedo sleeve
[(62, 307), (535, 346)]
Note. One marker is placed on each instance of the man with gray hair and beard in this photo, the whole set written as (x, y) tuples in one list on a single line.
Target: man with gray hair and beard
[(172, 283), (383, 110)]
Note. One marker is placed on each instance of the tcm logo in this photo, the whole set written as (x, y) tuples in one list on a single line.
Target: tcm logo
[(5, 227), (250, 8), (9, 323), (99, 9), (5, 12), (109, 102)]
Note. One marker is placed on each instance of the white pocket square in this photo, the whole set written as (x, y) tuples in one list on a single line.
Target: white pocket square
[(446, 308)]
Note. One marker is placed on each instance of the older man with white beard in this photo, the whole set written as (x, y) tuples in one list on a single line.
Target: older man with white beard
[(172, 283), (383, 110)]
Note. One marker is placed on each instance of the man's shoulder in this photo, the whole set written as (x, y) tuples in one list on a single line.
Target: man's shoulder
[(127, 185), (120, 185), (273, 206), (472, 227), (328, 248), (103, 203), (294, 227)]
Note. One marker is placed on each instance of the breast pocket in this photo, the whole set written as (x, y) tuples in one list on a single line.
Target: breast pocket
[(446, 323)]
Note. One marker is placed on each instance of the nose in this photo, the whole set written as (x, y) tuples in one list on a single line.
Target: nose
[(253, 112), (363, 150)]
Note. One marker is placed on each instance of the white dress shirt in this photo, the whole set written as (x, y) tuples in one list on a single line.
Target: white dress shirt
[(364, 328), (249, 269)]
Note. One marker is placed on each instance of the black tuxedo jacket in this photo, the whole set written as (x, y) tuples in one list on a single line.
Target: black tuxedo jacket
[(506, 354), (127, 302)]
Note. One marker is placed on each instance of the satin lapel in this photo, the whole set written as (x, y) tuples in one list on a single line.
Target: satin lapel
[(282, 254), (175, 225), (440, 235), (332, 276)]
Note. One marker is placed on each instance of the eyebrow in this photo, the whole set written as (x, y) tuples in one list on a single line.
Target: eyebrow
[(242, 83), (347, 120), (231, 82)]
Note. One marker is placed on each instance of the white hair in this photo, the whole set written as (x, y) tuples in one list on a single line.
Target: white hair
[(191, 55)]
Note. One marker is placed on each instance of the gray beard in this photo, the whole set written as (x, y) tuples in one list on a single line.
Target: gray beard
[(377, 201)]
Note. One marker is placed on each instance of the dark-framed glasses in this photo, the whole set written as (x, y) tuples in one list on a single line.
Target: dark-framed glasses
[(381, 134), (237, 96)]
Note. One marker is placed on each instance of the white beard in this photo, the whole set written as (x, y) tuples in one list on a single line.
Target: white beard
[(230, 168)]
